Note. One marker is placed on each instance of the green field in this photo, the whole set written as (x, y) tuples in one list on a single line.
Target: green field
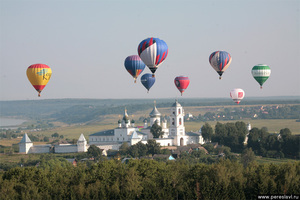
[(273, 125)]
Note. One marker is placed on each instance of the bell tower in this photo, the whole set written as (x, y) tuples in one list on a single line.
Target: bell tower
[(177, 129)]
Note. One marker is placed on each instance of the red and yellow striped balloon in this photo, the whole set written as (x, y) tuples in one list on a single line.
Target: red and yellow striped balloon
[(39, 75)]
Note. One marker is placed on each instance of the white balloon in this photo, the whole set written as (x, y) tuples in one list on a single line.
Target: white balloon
[(237, 95)]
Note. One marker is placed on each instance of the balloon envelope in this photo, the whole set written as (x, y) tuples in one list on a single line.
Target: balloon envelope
[(237, 95), (220, 61), (261, 73), (153, 52), (39, 75), (182, 82), (147, 80), (134, 65)]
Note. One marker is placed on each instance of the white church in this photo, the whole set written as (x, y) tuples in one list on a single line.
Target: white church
[(174, 135)]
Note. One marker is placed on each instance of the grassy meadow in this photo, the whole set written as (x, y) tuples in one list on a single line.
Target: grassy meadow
[(273, 125)]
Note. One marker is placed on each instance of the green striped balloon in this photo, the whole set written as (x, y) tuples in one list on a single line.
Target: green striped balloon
[(261, 73)]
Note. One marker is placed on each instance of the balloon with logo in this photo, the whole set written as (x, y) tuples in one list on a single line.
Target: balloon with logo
[(261, 73), (237, 95), (147, 80), (182, 82), (134, 65), (39, 75), (153, 52), (220, 61)]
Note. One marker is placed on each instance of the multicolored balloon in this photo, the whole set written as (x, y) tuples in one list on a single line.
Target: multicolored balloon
[(147, 80), (134, 65), (220, 61), (182, 82), (153, 52), (237, 95), (39, 75), (261, 73)]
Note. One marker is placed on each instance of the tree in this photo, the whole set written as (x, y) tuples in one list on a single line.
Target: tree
[(46, 139), (124, 148), (153, 147), (94, 151), (285, 133), (55, 135), (220, 133), (156, 130), (207, 132), (247, 157)]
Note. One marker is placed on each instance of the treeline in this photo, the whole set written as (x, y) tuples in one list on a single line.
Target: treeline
[(149, 179), (253, 112), (279, 145), (261, 141)]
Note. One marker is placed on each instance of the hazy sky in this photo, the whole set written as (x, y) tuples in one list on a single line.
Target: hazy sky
[(86, 42)]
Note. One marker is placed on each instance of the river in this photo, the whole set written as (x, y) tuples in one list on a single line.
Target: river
[(8, 122)]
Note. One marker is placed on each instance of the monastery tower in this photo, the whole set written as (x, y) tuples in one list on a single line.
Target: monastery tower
[(25, 144)]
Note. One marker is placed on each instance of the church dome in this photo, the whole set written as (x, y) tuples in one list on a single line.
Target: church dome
[(154, 112), (125, 117), (176, 104)]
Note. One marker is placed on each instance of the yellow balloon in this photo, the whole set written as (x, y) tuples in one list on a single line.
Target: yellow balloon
[(39, 75)]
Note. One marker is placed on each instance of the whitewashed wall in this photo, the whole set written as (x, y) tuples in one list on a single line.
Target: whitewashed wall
[(65, 148), (40, 149)]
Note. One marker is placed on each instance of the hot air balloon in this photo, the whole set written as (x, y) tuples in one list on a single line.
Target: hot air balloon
[(153, 52), (220, 61), (147, 80), (134, 65), (237, 95), (39, 75), (261, 73), (182, 82)]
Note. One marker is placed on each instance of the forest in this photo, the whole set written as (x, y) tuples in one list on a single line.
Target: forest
[(149, 179)]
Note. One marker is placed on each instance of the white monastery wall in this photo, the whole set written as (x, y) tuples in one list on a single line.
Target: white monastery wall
[(65, 148), (164, 142), (40, 149), (109, 146)]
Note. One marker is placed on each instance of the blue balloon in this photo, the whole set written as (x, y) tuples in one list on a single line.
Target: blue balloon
[(134, 65), (148, 80)]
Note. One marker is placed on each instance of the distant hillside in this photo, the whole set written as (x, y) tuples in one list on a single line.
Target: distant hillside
[(84, 110)]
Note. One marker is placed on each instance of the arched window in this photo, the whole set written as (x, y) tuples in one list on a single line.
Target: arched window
[(179, 111), (180, 122)]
